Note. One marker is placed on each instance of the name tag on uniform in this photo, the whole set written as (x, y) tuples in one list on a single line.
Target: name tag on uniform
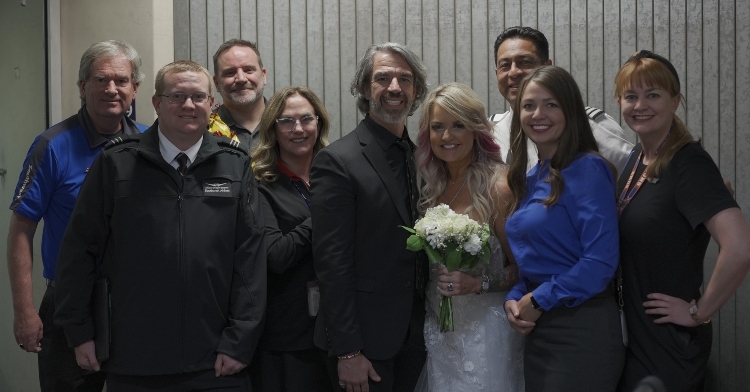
[(217, 188)]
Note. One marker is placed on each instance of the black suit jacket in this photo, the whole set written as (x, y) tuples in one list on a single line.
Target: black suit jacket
[(366, 274)]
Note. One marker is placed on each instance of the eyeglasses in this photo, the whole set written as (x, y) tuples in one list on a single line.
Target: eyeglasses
[(182, 97), (288, 124)]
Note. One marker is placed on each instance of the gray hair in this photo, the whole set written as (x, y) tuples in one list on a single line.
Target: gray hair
[(106, 50), (364, 73)]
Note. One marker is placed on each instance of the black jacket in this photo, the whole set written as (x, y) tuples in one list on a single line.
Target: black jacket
[(289, 243), (366, 274), (185, 257)]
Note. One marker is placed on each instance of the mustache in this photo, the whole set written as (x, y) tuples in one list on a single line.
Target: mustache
[(243, 87), (395, 95)]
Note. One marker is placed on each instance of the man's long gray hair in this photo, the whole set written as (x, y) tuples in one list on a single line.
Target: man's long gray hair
[(364, 73)]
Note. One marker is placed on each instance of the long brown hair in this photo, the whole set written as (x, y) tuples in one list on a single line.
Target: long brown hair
[(576, 137), (652, 71), (265, 154)]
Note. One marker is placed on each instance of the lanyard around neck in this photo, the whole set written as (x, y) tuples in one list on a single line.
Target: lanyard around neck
[(307, 201), (627, 194)]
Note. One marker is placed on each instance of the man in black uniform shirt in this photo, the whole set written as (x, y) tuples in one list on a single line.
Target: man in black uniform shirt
[(170, 219)]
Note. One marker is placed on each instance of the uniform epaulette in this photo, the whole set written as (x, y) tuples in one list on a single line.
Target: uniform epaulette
[(498, 116), (594, 113), (122, 141), (225, 142)]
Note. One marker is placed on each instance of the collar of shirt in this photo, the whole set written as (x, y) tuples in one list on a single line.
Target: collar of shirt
[(287, 172), (169, 151), (226, 117), (383, 136), (95, 138)]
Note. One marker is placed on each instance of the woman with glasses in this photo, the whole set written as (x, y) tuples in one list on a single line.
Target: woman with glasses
[(293, 128)]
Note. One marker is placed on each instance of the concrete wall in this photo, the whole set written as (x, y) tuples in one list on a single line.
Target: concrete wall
[(145, 24), (22, 110)]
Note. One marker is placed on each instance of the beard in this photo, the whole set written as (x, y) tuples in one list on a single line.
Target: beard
[(391, 117), (244, 96)]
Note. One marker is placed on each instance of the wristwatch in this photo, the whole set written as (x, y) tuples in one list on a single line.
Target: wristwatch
[(694, 314), (535, 304), (485, 285)]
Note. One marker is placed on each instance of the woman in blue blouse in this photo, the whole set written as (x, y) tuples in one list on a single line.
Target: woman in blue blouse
[(563, 233)]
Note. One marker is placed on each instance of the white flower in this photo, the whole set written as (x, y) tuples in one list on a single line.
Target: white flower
[(442, 229), (473, 245)]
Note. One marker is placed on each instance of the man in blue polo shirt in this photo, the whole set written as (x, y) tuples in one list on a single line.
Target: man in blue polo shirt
[(55, 167)]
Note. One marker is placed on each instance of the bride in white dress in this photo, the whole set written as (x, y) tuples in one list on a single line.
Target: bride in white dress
[(460, 165)]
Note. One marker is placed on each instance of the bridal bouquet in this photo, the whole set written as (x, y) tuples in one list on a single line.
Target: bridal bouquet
[(451, 240)]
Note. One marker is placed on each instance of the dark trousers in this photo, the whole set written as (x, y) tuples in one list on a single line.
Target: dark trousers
[(58, 369), (200, 381), (575, 349), (400, 373), (289, 371)]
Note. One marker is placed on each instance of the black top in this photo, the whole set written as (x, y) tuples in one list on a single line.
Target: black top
[(247, 137), (662, 245), (397, 156), (288, 231)]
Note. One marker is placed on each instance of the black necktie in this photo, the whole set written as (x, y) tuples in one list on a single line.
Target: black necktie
[(182, 160), (411, 174), (413, 193)]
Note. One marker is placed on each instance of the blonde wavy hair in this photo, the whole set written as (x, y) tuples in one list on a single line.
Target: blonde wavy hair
[(487, 165), (266, 152)]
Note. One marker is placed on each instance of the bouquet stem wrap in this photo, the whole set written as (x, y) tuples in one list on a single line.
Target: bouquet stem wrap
[(451, 240)]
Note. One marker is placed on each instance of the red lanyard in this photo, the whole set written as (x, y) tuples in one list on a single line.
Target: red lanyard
[(626, 196)]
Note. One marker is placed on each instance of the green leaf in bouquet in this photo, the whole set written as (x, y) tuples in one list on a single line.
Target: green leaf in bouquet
[(414, 243), (484, 256), (469, 262), (452, 258), (433, 255), (409, 229)]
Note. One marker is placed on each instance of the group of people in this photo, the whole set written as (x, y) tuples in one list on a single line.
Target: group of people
[(271, 249)]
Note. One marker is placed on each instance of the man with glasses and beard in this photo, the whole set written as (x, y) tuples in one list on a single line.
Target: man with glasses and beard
[(363, 187), (240, 78)]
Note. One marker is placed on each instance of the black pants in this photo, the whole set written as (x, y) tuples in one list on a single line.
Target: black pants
[(58, 370), (575, 349), (289, 371), (400, 373), (200, 381)]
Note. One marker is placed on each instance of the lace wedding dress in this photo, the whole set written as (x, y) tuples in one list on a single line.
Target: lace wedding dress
[(483, 353)]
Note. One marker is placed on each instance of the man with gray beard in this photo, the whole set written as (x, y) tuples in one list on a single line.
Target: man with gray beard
[(240, 77), (363, 187)]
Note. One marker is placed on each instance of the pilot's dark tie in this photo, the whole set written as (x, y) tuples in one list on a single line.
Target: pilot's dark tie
[(182, 160)]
